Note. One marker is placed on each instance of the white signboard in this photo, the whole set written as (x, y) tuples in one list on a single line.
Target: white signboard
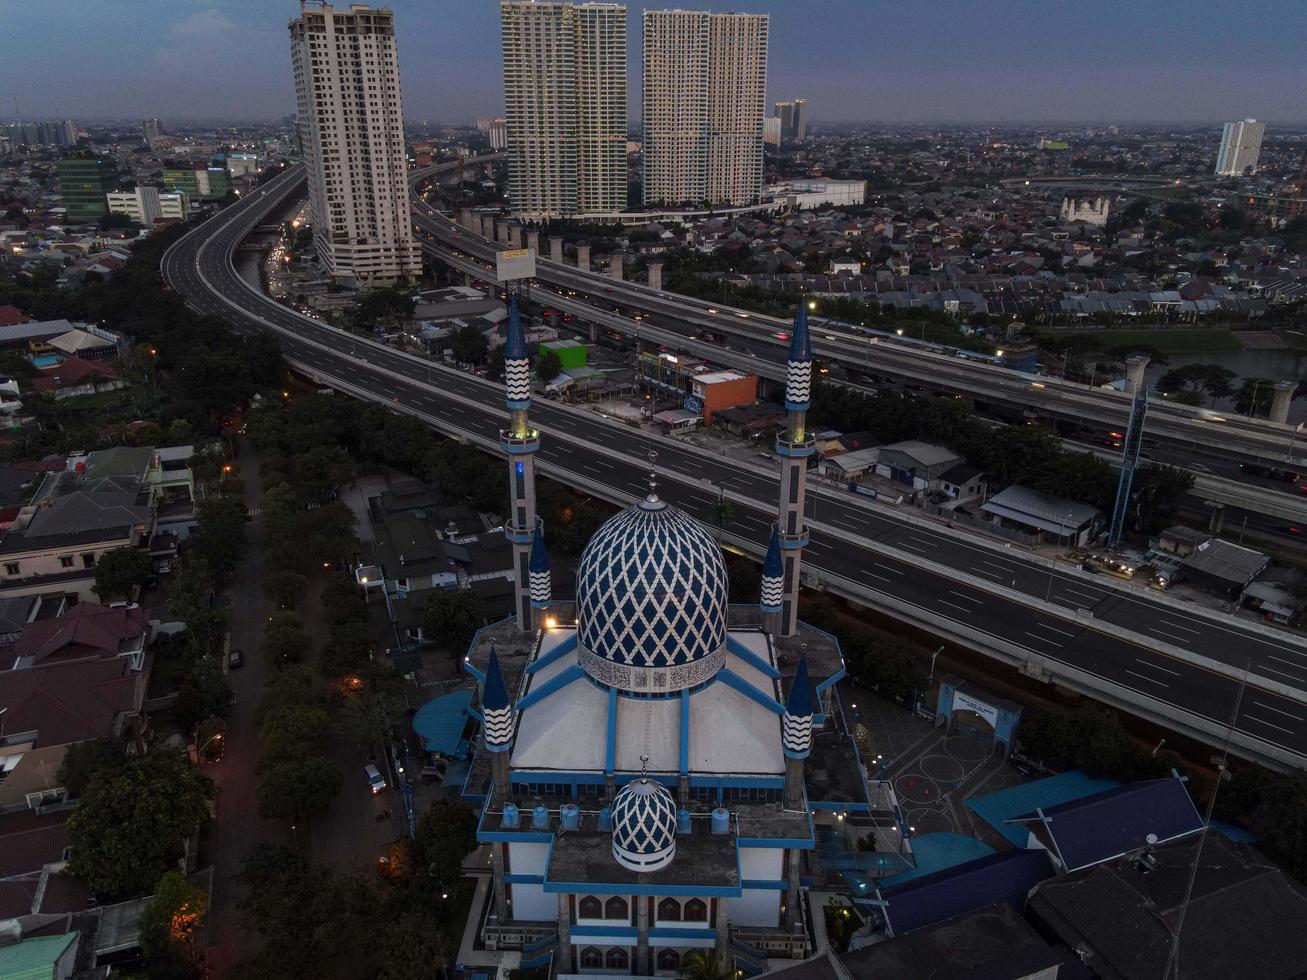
[(515, 263), (986, 711)]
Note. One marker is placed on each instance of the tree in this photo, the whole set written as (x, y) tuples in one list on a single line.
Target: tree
[(446, 835), (171, 925), (706, 964), (85, 761), (452, 618), (548, 365), (1157, 491), (286, 589), (297, 786), (219, 538), (191, 600), (293, 730), (368, 717), (1254, 396), (349, 648), (120, 572), (469, 345), (1195, 383), (131, 824), (203, 694), (285, 640)]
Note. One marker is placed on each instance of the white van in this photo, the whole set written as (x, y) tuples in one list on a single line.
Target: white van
[(375, 779)]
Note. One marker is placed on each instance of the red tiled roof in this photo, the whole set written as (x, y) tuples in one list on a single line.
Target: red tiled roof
[(72, 371), (69, 702), (88, 629), (29, 841), (12, 316)]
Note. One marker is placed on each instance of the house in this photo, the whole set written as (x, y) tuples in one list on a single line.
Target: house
[(915, 464), (849, 465), (1243, 917), (963, 482), (16, 612), (1223, 567), (37, 896), (1042, 517), (1276, 602), (53, 706), (40, 958), (87, 631), (74, 376)]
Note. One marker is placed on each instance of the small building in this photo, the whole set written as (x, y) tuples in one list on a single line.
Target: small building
[(40, 958), (963, 482), (571, 353), (1277, 603), (1044, 517), (1180, 540), (915, 464), (850, 465), (717, 390), (1223, 567), (750, 421)]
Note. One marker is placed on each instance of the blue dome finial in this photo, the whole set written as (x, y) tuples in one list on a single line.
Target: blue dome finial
[(496, 708), (515, 343), (796, 724), (800, 339), (773, 576)]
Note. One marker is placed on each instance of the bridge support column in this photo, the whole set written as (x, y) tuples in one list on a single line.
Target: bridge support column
[(515, 236), (615, 266), (533, 240), (594, 332), (583, 257), (556, 249), (501, 231), (1280, 401), (488, 227), (465, 218), (655, 275), (1216, 522), (1135, 365)]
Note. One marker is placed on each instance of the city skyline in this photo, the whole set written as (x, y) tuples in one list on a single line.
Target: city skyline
[(951, 63)]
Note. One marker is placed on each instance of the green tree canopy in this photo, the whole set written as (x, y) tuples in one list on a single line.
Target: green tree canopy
[(297, 786), (548, 365), (452, 617), (84, 762), (469, 345), (131, 823), (172, 928), (219, 537), (286, 589), (120, 572), (285, 640)]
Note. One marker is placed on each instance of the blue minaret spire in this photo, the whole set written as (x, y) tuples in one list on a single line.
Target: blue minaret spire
[(796, 734), (496, 707), (773, 584), (520, 442), (541, 586), (794, 447)]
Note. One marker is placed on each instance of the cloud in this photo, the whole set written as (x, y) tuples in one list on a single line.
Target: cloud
[(200, 37)]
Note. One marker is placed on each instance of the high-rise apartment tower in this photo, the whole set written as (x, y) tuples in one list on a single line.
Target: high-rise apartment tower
[(351, 127), (1241, 144), (565, 102), (705, 87)]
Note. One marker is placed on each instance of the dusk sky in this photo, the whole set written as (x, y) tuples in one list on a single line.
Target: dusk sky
[(1110, 61)]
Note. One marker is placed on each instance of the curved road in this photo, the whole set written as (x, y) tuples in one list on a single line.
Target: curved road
[(1151, 654)]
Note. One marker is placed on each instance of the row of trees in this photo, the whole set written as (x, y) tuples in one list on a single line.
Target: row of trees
[(1030, 455)]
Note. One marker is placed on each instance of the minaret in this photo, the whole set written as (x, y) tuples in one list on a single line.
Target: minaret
[(497, 732), (773, 586), (794, 447), (796, 734), (542, 593), (520, 442)]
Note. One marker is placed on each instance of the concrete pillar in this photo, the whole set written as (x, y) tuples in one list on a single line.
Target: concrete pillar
[(502, 912), (723, 927), (615, 265), (514, 236), (793, 783), (640, 967), (793, 858), (583, 257), (1135, 365), (1280, 401), (501, 231), (564, 935), (463, 219), (656, 276), (556, 249), (488, 227), (533, 240), (1216, 522)]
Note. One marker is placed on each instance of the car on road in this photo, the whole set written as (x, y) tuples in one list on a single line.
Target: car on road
[(375, 779), (235, 659)]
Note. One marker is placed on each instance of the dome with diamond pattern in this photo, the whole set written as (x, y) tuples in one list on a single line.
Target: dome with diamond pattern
[(651, 601), (644, 826)]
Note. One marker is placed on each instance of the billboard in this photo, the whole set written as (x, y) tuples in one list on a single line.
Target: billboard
[(515, 263)]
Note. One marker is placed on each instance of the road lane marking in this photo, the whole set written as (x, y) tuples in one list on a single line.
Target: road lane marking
[(993, 575), (1272, 670), (1263, 704), (1084, 595), (1169, 636), (994, 564), (1183, 629), (886, 568), (1281, 660), (1054, 629), (1164, 670), (954, 605), (1045, 639), (1268, 724), (924, 544), (968, 598), (900, 544), (1151, 680), (879, 578)]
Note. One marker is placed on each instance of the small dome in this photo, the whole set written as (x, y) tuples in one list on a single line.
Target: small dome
[(651, 601), (644, 826)]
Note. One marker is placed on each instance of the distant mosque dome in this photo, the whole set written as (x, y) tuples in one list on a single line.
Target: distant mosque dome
[(644, 826), (651, 601)]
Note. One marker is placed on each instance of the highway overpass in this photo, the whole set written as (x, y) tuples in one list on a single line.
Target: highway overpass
[(1146, 653)]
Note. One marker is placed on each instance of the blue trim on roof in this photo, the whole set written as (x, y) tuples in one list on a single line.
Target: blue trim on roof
[(735, 681), (510, 879), (564, 647), (751, 658), (773, 567), (799, 703), (494, 694), (567, 676)]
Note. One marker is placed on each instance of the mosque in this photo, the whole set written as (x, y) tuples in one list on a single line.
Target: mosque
[(654, 764)]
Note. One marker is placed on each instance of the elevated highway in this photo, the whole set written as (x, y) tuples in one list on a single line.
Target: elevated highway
[(1151, 655)]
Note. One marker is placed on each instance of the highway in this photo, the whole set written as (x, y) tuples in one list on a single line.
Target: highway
[(856, 349), (1148, 653)]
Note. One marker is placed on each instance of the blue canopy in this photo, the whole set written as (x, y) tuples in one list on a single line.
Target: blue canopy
[(441, 722)]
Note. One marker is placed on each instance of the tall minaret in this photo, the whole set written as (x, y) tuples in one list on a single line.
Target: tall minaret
[(796, 743), (542, 592), (772, 600), (794, 447), (497, 731), (520, 442)]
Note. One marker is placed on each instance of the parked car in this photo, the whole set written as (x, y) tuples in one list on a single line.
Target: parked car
[(375, 779), (235, 659)]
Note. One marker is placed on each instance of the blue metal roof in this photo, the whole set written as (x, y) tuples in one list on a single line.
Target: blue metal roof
[(936, 852), (495, 695), (1006, 877), (772, 567), (1116, 821), (995, 808), (440, 723)]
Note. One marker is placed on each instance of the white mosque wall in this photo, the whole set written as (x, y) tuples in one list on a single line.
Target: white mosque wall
[(759, 906), (527, 859), (532, 903)]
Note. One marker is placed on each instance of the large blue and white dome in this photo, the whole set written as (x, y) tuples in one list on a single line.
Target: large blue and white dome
[(651, 601), (644, 826)]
